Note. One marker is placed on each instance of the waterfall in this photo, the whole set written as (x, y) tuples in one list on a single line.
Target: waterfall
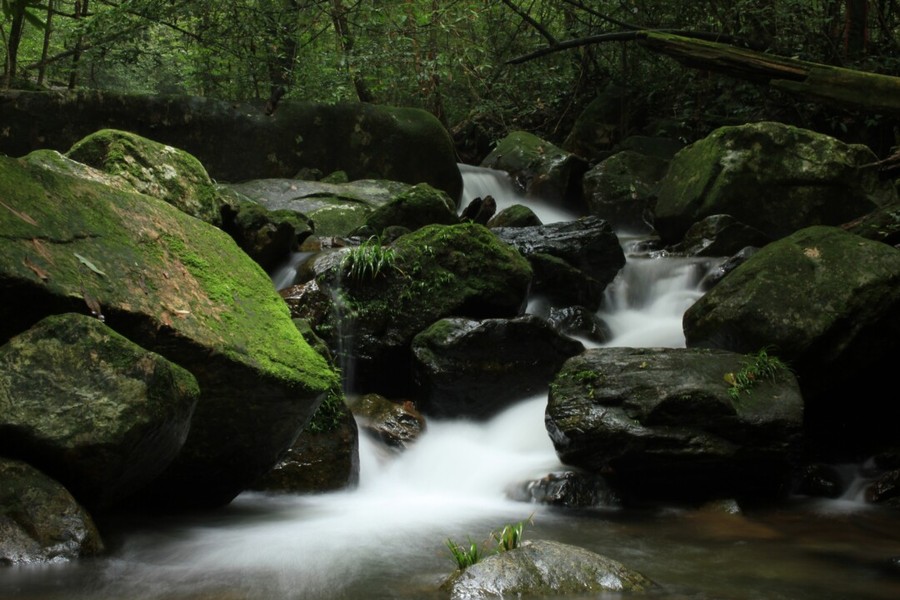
[(479, 182)]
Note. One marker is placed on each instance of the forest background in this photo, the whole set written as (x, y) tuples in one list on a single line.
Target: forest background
[(456, 58)]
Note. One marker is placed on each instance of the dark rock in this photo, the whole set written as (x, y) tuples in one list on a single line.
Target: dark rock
[(569, 489), (40, 521), (580, 322), (396, 424), (622, 190), (100, 414), (467, 368), (719, 235), (666, 423), (517, 215)]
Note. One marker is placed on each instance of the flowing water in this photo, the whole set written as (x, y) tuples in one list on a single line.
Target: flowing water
[(387, 539)]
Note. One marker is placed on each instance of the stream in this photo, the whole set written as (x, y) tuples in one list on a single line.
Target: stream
[(387, 538)]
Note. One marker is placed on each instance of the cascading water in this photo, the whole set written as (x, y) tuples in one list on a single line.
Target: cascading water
[(386, 539)]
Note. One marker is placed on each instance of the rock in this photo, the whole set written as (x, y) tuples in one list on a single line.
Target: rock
[(417, 207), (882, 224), (622, 190), (464, 368), (367, 141), (837, 325), (437, 271), (573, 261), (570, 489), (719, 235), (600, 126), (544, 568), (40, 521), (665, 424), (100, 414), (769, 176), (396, 424), (540, 169), (324, 458), (153, 169), (335, 209), (579, 321), (728, 265), (178, 287), (517, 215)]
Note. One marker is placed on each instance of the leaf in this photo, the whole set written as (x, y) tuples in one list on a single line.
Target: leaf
[(21, 215), (41, 249), (37, 270), (89, 264)]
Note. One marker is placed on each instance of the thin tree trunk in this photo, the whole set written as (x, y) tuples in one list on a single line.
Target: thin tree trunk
[(856, 31), (45, 50), (12, 45), (345, 42), (81, 11)]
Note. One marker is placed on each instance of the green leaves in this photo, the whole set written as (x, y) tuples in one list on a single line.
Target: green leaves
[(506, 539)]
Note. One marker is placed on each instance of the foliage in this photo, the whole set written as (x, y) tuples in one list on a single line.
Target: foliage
[(330, 414), (366, 261), (757, 367), (508, 538)]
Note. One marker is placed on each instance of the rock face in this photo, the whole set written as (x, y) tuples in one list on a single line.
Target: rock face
[(664, 423), (364, 140), (544, 568), (99, 413), (622, 189), (770, 176), (466, 368), (828, 302), (178, 287), (39, 519)]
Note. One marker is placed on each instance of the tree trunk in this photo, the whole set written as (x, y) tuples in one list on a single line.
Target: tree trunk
[(81, 11), (834, 85), (12, 46), (45, 50), (856, 30), (345, 42)]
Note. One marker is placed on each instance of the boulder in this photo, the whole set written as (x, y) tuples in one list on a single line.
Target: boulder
[(103, 416), (772, 177), (573, 261), (836, 323), (667, 424), (570, 489), (719, 235), (417, 207), (40, 521), (334, 209), (152, 168), (622, 190), (539, 169), (544, 568), (517, 215), (237, 142), (176, 286), (426, 275), (464, 368)]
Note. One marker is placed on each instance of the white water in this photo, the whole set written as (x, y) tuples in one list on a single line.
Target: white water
[(479, 182)]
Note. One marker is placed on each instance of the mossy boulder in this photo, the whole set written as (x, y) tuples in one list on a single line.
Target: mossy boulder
[(538, 168), (773, 177), (670, 424), (238, 142), (334, 209), (40, 521), (151, 168), (176, 286), (436, 271), (622, 190), (97, 412), (827, 302), (417, 207)]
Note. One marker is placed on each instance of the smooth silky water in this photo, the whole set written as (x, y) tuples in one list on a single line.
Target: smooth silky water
[(387, 538)]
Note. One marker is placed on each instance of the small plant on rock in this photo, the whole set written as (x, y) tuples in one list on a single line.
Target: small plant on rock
[(507, 539), (464, 557), (366, 261), (758, 366)]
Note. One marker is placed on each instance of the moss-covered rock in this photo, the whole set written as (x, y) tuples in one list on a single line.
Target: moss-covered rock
[(542, 170), (176, 286), (622, 189), (417, 207), (828, 302), (40, 521), (770, 176), (89, 407), (434, 272), (151, 168)]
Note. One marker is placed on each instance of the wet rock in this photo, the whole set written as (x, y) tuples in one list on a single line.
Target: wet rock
[(517, 215), (100, 414), (579, 321), (40, 521), (544, 568), (396, 424), (719, 235), (622, 190), (569, 489), (470, 368)]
